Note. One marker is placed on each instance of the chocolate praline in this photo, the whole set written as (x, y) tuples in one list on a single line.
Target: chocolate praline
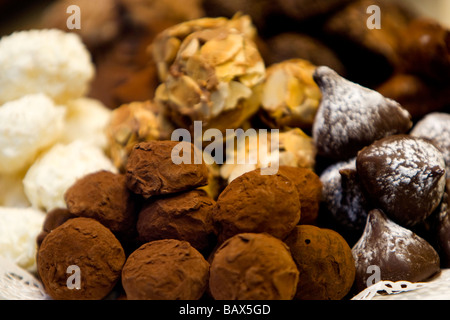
[(404, 176), (253, 266), (83, 244), (393, 252), (167, 269), (257, 203), (151, 169), (325, 262), (184, 216)]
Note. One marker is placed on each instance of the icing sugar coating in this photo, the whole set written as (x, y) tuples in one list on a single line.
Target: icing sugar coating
[(436, 127), (351, 116), (398, 252), (343, 195), (404, 175)]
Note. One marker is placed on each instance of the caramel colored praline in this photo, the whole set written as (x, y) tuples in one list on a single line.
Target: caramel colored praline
[(253, 266), (167, 269), (87, 244), (257, 203), (184, 216), (150, 169), (325, 262)]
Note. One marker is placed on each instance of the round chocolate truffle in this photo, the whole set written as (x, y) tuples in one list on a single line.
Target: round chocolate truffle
[(392, 252), (253, 266), (104, 196), (163, 167), (53, 219), (166, 269), (257, 203), (325, 262), (83, 249), (404, 176), (309, 188), (184, 216)]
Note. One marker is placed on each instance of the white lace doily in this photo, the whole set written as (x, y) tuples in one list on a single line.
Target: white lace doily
[(436, 289), (18, 284)]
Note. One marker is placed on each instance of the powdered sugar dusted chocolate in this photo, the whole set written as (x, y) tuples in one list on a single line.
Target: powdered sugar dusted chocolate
[(343, 195), (436, 127), (404, 175), (351, 116), (398, 252)]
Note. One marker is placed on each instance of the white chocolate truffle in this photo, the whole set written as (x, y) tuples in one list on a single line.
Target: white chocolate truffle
[(86, 119), (55, 171), (49, 61), (19, 228), (27, 125), (12, 193)]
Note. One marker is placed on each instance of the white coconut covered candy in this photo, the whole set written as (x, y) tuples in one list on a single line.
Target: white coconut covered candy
[(49, 61), (19, 228), (55, 171), (86, 119), (27, 126)]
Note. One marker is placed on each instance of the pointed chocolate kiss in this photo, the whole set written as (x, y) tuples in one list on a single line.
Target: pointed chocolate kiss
[(351, 116), (404, 175), (388, 251)]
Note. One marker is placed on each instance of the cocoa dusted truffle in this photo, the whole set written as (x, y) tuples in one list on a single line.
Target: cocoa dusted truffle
[(165, 270), (309, 188), (53, 219), (351, 116), (253, 266), (396, 252), (86, 244), (104, 196), (150, 169), (184, 216), (257, 203), (325, 262), (404, 176)]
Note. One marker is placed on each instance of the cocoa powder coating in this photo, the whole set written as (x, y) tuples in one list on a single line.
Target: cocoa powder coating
[(167, 269), (253, 266), (184, 216), (325, 262), (150, 169), (257, 203), (88, 245)]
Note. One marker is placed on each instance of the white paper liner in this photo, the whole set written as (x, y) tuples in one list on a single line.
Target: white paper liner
[(18, 284), (436, 289)]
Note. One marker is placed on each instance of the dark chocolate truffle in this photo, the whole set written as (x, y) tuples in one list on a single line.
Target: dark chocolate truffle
[(257, 203), (396, 252), (309, 188), (253, 266), (404, 176), (184, 216), (351, 116), (425, 49), (150, 169), (104, 196), (88, 245), (442, 230), (53, 219), (343, 196), (325, 262), (165, 270)]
